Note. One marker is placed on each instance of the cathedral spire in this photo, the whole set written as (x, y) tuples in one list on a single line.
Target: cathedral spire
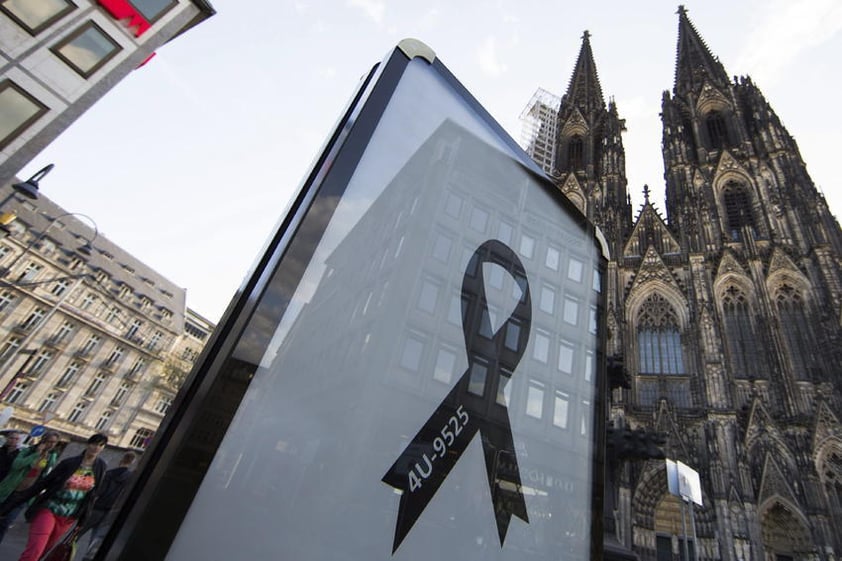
[(584, 91), (694, 63)]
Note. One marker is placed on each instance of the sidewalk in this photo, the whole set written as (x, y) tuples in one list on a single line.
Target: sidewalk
[(14, 541)]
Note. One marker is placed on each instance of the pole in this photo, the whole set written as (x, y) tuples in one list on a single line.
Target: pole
[(693, 524), (684, 529)]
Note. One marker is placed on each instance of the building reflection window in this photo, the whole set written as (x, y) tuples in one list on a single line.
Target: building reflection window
[(535, 399), (561, 408)]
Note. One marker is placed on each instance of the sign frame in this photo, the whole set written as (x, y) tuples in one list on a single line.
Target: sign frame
[(162, 491)]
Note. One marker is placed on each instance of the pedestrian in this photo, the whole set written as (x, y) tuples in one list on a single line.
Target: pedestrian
[(8, 452), (115, 483), (62, 498), (29, 465)]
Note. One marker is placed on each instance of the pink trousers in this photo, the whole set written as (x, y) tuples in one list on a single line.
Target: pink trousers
[(45, 530)]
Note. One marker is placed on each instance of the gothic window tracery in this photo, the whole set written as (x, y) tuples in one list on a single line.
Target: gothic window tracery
[(575, 149), (795, 331), (660, 359), (717, 131), (738, 212), (740, 336)]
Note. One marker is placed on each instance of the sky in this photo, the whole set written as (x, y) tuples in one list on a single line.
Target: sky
[(190, 162)]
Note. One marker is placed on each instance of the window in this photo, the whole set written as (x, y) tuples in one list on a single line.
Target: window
[(115, 356), (574, 153), (88, 301), (87, 49), (552, 258), (479, 219), (566, 352), (33, 319), (541, 346), (504, 388), (49, 402), (30, 273), (104, 420), (69, 374), (156, 338), (36, 16), (90, 344), (575, 268), (96, 385), (717, 131), (535, 399), (77, 411), (738, 212), (560, 409), (9, 347), (6, 299), (40, 362), (17, 392), (740, 342), (413, 348), (133, 328), (527, 246), (18, 111), (658, 338), (142, 438), (113, 314), (163, 405), (137, 366), (59, 287), (122, 391), (428, 296), (445, 364), (125, 291), (151, 10), (479, 372), (796, 331), (547, 301), (570, 314)]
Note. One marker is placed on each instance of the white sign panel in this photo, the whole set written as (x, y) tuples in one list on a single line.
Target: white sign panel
[(417, 380)]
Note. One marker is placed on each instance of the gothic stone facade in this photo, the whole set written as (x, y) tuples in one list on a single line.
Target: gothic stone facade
[(726, 312)]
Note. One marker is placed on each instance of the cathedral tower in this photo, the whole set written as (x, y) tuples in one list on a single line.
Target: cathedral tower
[(590, 160), (727, 313)]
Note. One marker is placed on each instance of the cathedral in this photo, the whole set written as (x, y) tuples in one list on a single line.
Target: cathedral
[(725, 311)]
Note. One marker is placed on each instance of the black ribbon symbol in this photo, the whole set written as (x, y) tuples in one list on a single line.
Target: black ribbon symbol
[(472, 405)]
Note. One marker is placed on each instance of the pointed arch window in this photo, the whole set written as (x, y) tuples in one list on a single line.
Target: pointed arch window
[(717, 131), (796, 332), (575, 151), (659, 339), (740, 336), (738, 212)]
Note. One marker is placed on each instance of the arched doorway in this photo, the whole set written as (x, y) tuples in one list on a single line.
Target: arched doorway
[(785, 533)]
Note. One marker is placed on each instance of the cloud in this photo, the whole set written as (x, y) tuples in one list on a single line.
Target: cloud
[(374, 9), (785, 31), (489, 61)]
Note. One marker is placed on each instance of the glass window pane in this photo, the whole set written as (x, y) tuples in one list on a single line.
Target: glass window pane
[(541, 347), (35, 15), (445, 362), (504, 233), (574, 270), (479, 219), (479, 372), (547, 301), (527, 246), (151, 9), (565, 357), (504, 389), (17, 111), (411, 355), (428, 296), (535, 399), (88, 49), (552, 259), (571, 311), (560, 409)]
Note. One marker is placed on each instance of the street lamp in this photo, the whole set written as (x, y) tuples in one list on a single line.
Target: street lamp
[(29, 188)]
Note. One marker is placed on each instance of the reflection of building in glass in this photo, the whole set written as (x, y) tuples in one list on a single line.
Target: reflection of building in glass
[(91, 339), (61, 56), (540, 126), (726, 313), (380, 343)]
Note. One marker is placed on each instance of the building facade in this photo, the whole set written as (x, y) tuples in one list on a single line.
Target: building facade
[(91, 339), (726, 312), (58, 57)]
